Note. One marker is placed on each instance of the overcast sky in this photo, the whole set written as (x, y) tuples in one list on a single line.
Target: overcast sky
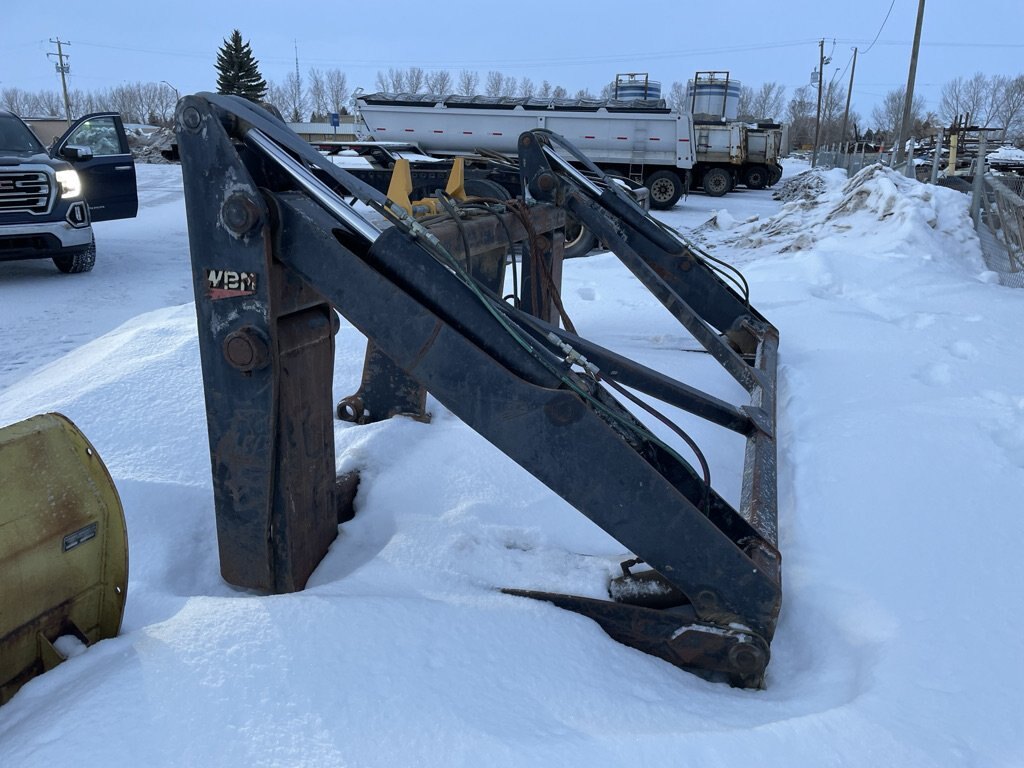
[(574, 44)]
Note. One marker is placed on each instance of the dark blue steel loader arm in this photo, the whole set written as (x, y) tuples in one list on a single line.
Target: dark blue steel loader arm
[(708, 297), (275, 248)]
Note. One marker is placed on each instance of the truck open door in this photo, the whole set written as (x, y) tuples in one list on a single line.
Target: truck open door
[(97, 146)]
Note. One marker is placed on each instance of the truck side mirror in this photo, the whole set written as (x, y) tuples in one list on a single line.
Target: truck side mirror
[(76, 152)]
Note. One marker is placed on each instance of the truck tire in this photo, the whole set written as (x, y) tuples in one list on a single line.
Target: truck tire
[(756, 177), (717, 182), (579, 241), (774, 174), (78, 261), (665, 187)]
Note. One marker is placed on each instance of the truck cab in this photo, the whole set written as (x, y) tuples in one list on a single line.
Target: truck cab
[(49, 198)]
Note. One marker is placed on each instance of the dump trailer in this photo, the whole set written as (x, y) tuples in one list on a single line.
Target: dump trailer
[(277, 251), (640, 139), (765, 142)]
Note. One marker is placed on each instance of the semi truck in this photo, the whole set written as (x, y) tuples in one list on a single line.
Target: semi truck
[(641, 139)]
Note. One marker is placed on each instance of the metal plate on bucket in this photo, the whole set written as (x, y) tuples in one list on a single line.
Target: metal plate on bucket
[(63, 547)]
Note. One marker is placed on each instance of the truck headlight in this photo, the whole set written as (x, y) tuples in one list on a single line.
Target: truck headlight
[(70, 184)]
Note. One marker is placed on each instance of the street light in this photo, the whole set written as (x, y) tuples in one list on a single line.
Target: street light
[(177, 96)]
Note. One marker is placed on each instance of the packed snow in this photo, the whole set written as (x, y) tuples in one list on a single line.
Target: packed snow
[(901, 464)]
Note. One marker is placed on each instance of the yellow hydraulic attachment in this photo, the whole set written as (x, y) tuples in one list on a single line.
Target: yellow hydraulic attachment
[(63, 548), (400, 187)]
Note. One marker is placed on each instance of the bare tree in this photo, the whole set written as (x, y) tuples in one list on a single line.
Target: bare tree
[(800, 114), (545, 90), (966, 96), (127, 99), (414, 78), (495, 83), (317, 94), (296, 105), (995, 96), (337, 90), (889, 114), (583, 93), (277, 96), (745, 108), (468, 82), (558, 92), (84, 102), (833, 103), (768, 101), (439, 82), (510, 87), (49, 103), (527, 88), (393, 80), (1010, 112), (677, 97), (14, 99), (157, 103)]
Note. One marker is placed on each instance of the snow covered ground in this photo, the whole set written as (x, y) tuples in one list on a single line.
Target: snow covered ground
[(901, 454)]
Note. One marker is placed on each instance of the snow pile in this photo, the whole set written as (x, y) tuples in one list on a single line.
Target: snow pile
[(809, 185), (151, 146), (901, 459), (876, 214)]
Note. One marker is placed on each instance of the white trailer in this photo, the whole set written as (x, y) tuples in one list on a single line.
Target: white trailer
[(641, 140)]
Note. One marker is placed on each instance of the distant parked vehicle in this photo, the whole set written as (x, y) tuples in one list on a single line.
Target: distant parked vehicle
[(641, 140), (49, 198)]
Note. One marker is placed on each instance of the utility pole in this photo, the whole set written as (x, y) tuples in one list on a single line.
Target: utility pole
[(909, 103), (849, 94), (817, 121), (63, 67)]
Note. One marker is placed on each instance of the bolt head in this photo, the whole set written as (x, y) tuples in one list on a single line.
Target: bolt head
[(246, 349), (240, 213), (191, 118)]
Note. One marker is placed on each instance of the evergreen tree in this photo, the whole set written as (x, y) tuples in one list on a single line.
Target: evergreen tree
[(237, 71)]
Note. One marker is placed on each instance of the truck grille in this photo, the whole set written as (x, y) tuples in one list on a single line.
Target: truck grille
[(24, 192)]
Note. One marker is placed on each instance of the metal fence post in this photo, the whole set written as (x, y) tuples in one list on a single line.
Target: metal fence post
[(979, 181), (937, 156), (909, 171)]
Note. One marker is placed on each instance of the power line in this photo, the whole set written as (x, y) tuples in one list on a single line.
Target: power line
[(881, 27), (943, 44)]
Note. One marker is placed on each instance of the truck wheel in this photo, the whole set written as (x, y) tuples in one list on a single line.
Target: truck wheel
[(756, 177), (79, 261), (774, 174), (666, 188), (717, 182), (579, 241)]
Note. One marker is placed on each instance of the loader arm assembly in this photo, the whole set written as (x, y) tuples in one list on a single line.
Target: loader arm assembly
[(707, 297), (275, 249)]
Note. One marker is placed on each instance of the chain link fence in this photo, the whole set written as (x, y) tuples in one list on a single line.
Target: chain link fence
[(997, 204), (999, 220)]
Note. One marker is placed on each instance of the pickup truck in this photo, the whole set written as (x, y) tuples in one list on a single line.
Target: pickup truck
[(50, 197)]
